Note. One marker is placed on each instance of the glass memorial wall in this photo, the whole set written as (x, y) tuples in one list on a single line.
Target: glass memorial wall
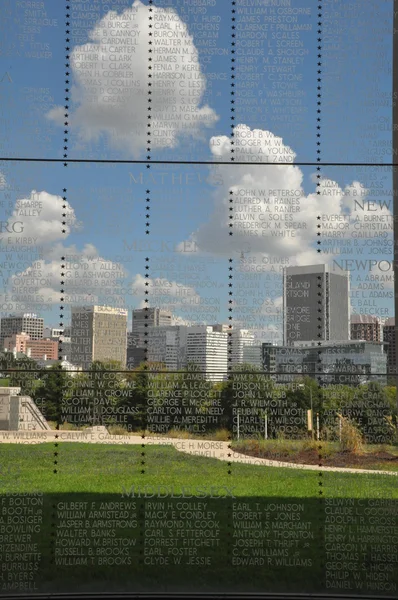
[(198, 382)]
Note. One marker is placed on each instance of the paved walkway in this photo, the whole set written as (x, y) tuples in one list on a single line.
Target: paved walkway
[(207, 448)]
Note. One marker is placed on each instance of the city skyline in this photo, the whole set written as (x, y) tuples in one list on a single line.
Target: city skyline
[(189, 204), (198, 303), (215, 348)]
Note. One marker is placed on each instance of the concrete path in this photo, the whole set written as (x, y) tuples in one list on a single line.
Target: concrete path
[(207, 448)]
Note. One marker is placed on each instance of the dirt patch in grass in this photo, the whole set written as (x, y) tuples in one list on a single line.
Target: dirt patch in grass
[(367, 460)]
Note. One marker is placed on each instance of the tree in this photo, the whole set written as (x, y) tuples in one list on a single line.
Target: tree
[(305, 394), (49, 395), (250, 393), (373, 413), (24, 373), (135, 403), (95, 393), (391, 394), (371, 407), (104, 380), (195, 401)]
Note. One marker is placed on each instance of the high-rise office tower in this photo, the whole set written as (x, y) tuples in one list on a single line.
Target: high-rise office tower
[(316, 304), (238, 340), (390, 337), (28, 323), (365, 327), (168, 345), (253, 355), (208, 349), (98, 333), (150, 317)]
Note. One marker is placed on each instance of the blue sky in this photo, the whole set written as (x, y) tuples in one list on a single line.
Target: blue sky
[(109, 201)]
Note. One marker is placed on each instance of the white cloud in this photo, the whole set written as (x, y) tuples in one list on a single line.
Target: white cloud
[(181, 321), (161, 287), (272, 216), (38, 219), (376, 276), (84, 276), (55, 251), (111, 82), (272, 306), (162, 292), (94, 278)]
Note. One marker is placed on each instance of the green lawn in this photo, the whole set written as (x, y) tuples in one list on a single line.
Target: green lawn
[(106, 473), (100, 469)]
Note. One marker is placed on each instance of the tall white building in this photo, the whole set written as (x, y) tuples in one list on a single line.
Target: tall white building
[(208, 349), (238, 340), (168, 345)]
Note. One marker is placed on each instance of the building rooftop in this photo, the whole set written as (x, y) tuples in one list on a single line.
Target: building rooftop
[(367, 319)]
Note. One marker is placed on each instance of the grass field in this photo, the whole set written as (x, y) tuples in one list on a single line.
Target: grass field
[(106, 473)]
